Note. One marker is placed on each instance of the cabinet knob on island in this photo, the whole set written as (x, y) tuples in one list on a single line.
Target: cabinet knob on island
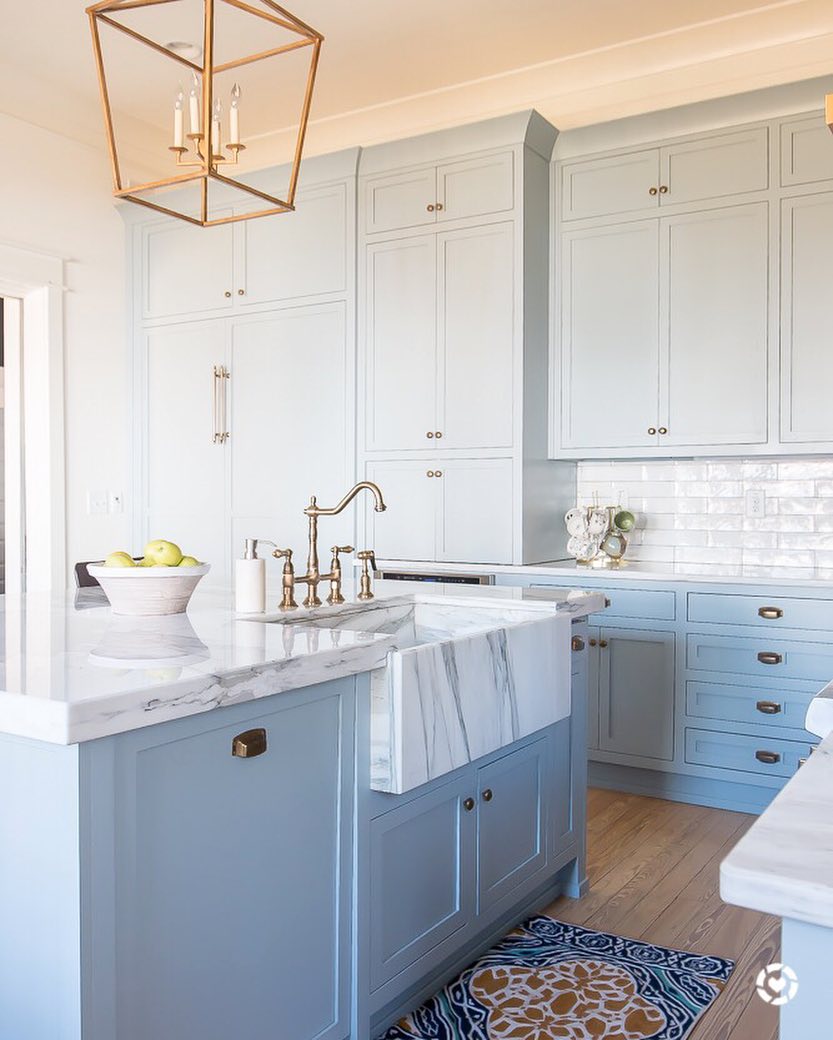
[(249, 744), (577, 644), (487, 795), (468, 804)]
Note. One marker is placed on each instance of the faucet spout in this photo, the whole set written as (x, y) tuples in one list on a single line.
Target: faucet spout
[(313, 509)]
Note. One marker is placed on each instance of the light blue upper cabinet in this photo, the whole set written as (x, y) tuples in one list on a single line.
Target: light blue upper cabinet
[(186, 270), (620, 184), (806, 152)]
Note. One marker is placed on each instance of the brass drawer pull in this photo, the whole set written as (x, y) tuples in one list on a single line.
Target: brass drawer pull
[(468, 804), (768, 708), (249, 744), (577, 644), (487, 795), (769, 758), (770, 613), (765, 657)]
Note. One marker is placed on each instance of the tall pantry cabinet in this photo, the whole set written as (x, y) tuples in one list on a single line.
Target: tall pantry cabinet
[(452, 380), (244, 371)]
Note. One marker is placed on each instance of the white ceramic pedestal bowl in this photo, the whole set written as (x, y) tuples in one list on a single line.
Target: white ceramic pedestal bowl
[(148, 591)]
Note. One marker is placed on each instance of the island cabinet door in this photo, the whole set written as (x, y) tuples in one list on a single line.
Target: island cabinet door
[(636, 693), (512, 842), (233, 878), (422, 870)]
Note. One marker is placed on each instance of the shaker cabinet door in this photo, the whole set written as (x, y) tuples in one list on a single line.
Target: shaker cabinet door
[(715, 354), (401, 345), (608, 186), (408, 529), (476, 332), (404, 199), (186, 269), (610, 336), (477, 510)]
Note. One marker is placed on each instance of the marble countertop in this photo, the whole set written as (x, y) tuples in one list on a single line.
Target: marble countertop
[(71, 670), (634, 570), (783, 865)]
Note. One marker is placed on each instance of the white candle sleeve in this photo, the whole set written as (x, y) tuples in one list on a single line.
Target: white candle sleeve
[(178, 127)]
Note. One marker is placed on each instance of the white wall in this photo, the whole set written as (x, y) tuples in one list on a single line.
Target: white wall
[(55, 197)]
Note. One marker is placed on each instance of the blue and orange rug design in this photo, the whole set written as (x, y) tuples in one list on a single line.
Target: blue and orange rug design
[(553, 981)]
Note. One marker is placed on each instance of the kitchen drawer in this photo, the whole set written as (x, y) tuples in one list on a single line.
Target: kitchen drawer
[(774, 658), (765, 612), (640, 605), (726, 702), (765, 756)]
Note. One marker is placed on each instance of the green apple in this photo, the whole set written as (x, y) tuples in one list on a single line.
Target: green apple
[(162, 553), (145, 562), (189, 561), (119, 559)]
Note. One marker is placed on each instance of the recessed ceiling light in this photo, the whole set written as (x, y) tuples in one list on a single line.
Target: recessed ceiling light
[(189, 51)]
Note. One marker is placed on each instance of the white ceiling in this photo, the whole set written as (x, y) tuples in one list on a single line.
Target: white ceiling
[(391, 68)]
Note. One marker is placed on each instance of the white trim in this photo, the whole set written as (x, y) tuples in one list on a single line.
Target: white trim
[(37, 280)]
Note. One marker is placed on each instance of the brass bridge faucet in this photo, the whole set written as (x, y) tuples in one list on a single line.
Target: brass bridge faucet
[(313, 578)]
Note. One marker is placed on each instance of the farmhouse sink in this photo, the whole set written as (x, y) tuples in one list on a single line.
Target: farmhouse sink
[(463, 678)]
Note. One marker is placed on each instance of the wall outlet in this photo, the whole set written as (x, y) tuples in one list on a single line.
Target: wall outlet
[(97, 503), (115, 502), (756, 503)]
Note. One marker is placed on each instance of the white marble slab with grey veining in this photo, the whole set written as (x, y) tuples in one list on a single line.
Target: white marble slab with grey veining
[(783, 865)]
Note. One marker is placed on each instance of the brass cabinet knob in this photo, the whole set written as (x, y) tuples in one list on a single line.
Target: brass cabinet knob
[(430, 434), (241, 292), (487, 795), (652, 191), (652, 430), (766, 657), (663, 189), (468, 804), (438, 473), (227, 294), (429, 473), (593, 642), (770, 613), (440, 207), (768, 707), (430, 208), (576, 644), (769, 758), (249, 744), (603, 644), (663, 430), (438, 434)]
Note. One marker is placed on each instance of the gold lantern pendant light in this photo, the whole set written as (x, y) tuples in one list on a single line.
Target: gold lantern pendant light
[(204, 154)]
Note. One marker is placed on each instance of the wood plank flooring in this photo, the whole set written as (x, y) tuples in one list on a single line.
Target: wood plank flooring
[(653, 868)]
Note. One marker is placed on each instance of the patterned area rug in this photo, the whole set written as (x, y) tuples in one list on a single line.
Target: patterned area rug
[(553, 981)]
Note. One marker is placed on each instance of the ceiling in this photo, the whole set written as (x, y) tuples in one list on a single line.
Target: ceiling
[(390, 68)]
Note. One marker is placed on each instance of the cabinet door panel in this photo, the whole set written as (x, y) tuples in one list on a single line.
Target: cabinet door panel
[(636, 693), (186, 470), (807, 319), (475, 187), (476, 337), (186, 269), (716, 324), (593, 690), (511, 836), (273, 359), (298, 254), (401, 358), (712, 167), (610, 336), (620, 184), (422, 865), (407, 530), (400, 200), (477, 510), (238, 873), (806, 152)]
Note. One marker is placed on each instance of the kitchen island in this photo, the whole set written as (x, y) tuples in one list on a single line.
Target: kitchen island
[(191, 841)]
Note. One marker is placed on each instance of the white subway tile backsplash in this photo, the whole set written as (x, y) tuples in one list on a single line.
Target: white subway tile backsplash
[(693, 513)]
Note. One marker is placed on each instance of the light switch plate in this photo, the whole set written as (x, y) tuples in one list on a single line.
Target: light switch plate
[(97, 503)]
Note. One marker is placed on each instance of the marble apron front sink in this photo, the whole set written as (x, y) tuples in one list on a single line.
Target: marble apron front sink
[(464, 678)]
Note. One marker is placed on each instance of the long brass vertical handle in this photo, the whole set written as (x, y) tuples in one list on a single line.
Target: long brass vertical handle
[(215, 406), (225, 375)]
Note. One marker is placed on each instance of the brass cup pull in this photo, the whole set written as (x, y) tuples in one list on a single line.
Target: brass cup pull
[(430, 208), (769, 758), (663, 189), (652, 431), (468, 804), (430, 435), (766, 657), (576, 644), (249, 744), (487, 795), (770, 613), (663, 430), (652, 191), (768, 707)]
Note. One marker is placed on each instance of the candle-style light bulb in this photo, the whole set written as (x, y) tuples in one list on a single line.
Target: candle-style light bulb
[(179, 130), (215, 126), (234, 129), (194, 104)]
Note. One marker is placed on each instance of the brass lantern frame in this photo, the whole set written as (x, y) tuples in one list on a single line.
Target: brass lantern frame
[(205, 169)]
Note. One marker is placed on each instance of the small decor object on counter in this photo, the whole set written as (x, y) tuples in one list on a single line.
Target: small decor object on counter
[(598, 534), (161, 582), (250, 579)]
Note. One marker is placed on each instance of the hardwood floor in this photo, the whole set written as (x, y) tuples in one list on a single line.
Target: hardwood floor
[(653, 868)]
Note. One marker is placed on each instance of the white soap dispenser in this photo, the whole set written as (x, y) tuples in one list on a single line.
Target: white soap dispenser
[(250, 580)]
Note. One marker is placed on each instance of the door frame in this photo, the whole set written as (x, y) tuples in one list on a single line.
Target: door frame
[(34, 419)]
